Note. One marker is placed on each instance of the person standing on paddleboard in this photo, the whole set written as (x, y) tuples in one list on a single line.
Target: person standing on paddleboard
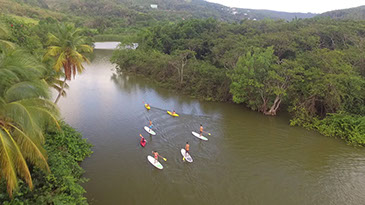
[(201, 130), (150, 126), (187, 148), (156, 155)]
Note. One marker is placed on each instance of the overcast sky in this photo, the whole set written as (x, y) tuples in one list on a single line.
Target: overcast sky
[(313, 6)]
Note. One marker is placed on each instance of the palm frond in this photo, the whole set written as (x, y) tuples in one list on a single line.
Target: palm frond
[(18, 114), (7, 45), (20, 165), (32, 150), (27, 89), (6, 162), (85, 48)]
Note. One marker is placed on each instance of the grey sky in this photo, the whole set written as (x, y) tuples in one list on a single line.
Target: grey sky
[(313, 6)]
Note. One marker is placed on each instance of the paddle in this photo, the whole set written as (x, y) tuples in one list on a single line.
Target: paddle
[(207, 132), (143, 137), (163, 158)]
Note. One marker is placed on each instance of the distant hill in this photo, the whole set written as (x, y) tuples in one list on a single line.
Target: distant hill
[(166, 9), (357, 13)]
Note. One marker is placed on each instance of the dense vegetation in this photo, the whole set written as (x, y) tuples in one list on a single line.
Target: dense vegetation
[(38, 157), (122, 17), (65, 151), (312, 68), (357, 13)]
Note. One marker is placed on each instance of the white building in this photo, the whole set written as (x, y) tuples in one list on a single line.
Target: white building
[(154, 6)]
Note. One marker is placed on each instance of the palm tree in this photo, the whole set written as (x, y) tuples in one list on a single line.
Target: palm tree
[(24, 113), (68, 47), (4, 34), (53, 80)]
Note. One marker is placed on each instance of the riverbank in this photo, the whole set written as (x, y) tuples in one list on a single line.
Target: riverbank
[(202, 80), (205, 81), (65, 150)]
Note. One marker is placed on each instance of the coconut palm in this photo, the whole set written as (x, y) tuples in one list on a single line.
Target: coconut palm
[(53, 80), (24, 113), (68, 47), (4, 34)]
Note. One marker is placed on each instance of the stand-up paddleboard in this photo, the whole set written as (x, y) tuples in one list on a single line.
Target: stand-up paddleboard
[(174, 115), (158, 165), (186, 155), (198, 136), (150, 131), (147, 107), (143, 143)]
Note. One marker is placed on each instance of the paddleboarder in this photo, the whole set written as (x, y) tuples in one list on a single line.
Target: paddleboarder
[(150, 126), (201, 129), (156, 155), (173, 113), (187, 148)]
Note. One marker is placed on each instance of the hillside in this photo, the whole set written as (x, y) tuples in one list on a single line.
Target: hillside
[(357, 13), (140, 11)]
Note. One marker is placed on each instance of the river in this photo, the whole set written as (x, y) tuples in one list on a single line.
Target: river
[(248, 159)]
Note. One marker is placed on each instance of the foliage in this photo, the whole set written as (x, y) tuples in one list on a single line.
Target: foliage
[(249, 78), (25, 111), (201, 79), (67, 46), (328, 85), (357, 13), (313, 67), (343, 125), (65, 150)]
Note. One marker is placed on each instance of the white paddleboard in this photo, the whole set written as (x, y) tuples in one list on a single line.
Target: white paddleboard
[(187, 156), (158, 165), (198, 136), (150, 131)]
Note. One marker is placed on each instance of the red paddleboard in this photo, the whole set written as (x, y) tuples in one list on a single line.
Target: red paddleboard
[(143, 143)]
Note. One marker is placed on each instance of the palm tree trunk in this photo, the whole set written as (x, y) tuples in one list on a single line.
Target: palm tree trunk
[(61, 91)]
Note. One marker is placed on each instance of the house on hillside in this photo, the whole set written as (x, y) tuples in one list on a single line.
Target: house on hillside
[(154, 6)]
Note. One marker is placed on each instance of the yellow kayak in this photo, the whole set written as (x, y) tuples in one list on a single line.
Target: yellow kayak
[(147, 106), (174, 115)]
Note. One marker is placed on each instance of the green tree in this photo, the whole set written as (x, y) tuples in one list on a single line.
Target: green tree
[(24, 114), (259, 81), (68, 47), (329, 84)]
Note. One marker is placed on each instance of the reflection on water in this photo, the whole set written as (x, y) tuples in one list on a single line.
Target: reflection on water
[(249, 158)]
